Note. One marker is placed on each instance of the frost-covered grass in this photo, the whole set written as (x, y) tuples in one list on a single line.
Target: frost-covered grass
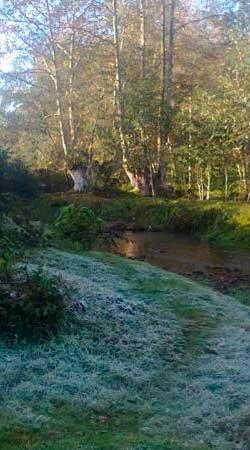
[(154, 361)]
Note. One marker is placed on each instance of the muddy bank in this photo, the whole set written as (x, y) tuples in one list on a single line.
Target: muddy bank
[(225, 270)]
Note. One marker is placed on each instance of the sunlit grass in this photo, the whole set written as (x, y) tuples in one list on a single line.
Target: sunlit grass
[(226, 224)]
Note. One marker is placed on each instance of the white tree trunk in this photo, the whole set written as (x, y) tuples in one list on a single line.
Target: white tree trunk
[(226, 183), (168, 49), (79, 178), (208, 183)]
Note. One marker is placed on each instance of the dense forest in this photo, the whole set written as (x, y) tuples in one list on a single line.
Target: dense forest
[(154, 94)]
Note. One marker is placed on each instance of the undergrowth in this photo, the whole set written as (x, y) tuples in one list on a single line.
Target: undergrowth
[(226, 224), (32, 306)]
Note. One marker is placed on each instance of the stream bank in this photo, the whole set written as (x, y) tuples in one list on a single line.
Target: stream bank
[(148, 344), (228, 271), (226, 224)]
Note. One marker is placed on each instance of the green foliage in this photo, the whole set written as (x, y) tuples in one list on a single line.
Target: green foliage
[(31, 307), (15, 177), (10, 238), (79, 224), (16, 238), (186, 218), (206, 129), (227, 224)]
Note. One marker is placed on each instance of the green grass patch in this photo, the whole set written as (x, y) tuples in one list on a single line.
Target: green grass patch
[(196, 320), (242, 294), (226, 224), (70, 429), (196, 325)]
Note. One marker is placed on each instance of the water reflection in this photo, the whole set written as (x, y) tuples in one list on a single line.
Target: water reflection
[(180, 253)]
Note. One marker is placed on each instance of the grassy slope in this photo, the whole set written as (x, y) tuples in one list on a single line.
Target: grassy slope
[(227, 224), (157, 362)]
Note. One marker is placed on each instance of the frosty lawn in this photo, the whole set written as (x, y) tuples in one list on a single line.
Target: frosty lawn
[(153, 361)]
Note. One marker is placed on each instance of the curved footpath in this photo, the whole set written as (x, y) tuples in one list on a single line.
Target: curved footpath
[(144, 343)]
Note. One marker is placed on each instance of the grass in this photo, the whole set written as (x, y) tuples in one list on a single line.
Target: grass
[(70, 430), (195, 320), (226, 224), (153, 361), (150, 363), (242, 294)]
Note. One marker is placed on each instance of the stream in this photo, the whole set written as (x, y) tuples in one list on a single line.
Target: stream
[(225, 269)]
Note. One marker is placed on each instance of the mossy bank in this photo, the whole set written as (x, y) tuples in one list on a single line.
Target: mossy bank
[(225, 224), (153, 361)]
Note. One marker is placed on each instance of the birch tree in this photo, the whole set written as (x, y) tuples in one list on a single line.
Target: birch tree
[(168, 47), (50, 36)]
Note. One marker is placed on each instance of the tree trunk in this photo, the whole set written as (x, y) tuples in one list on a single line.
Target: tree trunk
[(118, 91), (245, 179), (140, 180), (137, 178), (143, 38), (168, 42), (200, 184), (190, 113), (148, 177), (71, 90), (57, 83), (208, 183), (226, 182), (79, 177)]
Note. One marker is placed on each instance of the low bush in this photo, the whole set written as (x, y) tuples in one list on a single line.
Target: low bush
[(17, 235), (31, 307), (10, 236), (80, 225)]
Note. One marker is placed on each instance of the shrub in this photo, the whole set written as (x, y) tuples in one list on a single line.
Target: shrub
[(79, 224), (16, 237), (15, 177), (10, 235), (31, 307), (179, 218)]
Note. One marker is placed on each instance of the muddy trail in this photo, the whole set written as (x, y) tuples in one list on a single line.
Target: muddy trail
[(225, 270)]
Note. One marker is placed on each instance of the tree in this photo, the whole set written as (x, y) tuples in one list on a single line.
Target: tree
[(140, 90), (50, 36), (168, 47)]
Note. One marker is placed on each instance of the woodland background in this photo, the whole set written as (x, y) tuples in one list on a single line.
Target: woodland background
[(149, 93)]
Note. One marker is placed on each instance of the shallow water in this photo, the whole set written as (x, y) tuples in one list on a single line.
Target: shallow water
[(186, 255)]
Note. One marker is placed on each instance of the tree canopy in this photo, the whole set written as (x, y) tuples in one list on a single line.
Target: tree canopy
[(152, 92)]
